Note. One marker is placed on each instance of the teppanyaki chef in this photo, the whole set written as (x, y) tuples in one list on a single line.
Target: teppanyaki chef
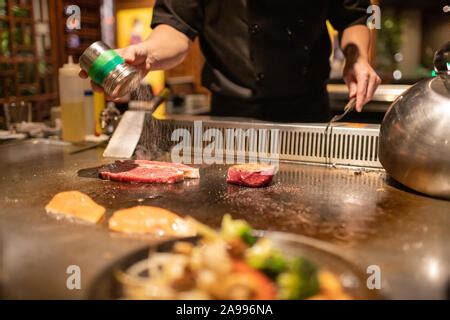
[(266, 59)]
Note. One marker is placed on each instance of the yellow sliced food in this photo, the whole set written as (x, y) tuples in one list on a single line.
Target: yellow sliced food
[(150, 220), (77, 205), (330, 288)]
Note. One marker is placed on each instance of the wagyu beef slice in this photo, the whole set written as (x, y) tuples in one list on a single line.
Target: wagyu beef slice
[(188, 172), (128, 171), (251, 175)]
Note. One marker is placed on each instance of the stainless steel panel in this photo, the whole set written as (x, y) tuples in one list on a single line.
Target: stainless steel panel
[(345, 144)]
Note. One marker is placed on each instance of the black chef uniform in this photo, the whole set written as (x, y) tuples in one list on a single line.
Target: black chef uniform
[(266, 59)]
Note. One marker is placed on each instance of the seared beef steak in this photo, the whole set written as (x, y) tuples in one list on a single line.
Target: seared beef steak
[(145, 171), (188, 172), (251, 175)]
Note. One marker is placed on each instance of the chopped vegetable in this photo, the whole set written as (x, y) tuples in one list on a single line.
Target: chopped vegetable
[(300, 281), (203, 230), (229, 264), (264, 257), (237, 229), (264, 288)]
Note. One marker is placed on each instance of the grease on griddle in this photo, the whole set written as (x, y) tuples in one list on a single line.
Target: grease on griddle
[(283, 207)]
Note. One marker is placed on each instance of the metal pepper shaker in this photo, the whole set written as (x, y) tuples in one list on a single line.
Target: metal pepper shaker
[(109, 70)]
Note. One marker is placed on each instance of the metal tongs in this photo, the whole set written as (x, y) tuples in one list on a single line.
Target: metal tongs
[(349, 107)]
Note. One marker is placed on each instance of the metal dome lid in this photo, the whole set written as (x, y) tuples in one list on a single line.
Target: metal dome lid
[(442, 60), (415, 133)]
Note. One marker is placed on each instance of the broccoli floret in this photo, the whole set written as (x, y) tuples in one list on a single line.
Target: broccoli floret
[(299, 281), (237, 229), (264, 257)]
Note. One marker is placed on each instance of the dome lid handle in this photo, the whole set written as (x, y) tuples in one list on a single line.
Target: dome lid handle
[(442, 59)]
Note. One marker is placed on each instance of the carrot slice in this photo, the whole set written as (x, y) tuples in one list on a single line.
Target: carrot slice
[(267, 290)]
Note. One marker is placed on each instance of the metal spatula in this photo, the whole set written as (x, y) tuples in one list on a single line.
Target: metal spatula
[(349, 107), (126, 136), (128, 132)]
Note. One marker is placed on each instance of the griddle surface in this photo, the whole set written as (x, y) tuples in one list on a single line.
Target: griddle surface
[(368, 217)]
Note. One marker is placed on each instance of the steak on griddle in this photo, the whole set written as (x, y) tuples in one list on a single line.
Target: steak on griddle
[(145, 171), (251, 175), (188, 172)]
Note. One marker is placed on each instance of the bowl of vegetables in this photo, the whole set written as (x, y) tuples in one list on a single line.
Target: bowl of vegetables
[(234, 263)]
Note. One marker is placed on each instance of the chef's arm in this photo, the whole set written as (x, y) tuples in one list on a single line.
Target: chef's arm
[(165, 48), (175, 24), (358, 36), (361, 79)]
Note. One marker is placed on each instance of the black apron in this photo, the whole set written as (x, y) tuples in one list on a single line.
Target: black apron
[(265, 59), (313, 107)]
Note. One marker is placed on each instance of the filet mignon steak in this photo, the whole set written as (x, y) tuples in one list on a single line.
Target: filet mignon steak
[(145, 171), (251, 175)]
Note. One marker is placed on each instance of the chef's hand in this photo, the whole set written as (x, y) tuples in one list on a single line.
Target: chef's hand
[(135, 55), (165, 48), (361, 80)]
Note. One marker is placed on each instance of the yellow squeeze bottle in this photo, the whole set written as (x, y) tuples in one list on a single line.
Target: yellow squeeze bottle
[(99, 105), (71, 95)]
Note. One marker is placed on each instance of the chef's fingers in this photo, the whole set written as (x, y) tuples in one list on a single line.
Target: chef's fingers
[(374, 81), (148, 63), (351, 89), (119, 51), (128, 54), (96, 87), (82, 74), (361, 90), (119, 99), (143, 73)]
